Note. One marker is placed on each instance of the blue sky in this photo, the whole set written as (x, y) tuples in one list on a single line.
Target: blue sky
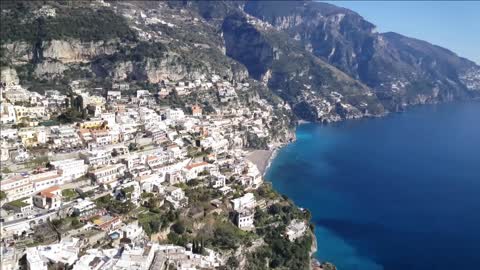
[(454, 25)]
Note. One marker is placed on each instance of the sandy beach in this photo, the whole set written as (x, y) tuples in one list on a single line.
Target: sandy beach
[(261, 158)]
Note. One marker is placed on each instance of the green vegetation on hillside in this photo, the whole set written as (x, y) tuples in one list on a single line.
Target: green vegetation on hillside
[(18, 203), (71, 21), (3, 195)]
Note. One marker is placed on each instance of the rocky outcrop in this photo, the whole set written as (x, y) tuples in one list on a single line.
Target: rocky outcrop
[(18, 53), (9, 76), (49, 69), (64, 51), (121, 71), (247, 45), (76, 51)]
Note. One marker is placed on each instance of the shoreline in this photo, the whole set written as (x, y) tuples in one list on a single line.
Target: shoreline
[(262, 159), (273, 155), (315, 263)]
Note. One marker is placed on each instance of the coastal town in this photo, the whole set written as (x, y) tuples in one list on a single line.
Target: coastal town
[(182, 135), (124, 178)]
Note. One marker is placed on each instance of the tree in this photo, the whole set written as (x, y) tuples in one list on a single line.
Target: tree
[(3, 195), (76, 223), (274, 209), (172, 216), (178, 228), (232, 263), (155, 225), (153, 202), (132, 147)]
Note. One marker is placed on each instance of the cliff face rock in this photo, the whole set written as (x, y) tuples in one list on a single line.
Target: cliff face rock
[(9, 76), (49, 69), (121, 71), (76, 51), (247, 45), (18, 52), (64, 51)]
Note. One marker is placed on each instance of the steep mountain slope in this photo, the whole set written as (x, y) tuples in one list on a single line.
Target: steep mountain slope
[(103, 42), (401, 70), (313, 87)]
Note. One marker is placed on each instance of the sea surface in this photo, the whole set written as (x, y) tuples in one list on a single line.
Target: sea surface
[(394, 193)]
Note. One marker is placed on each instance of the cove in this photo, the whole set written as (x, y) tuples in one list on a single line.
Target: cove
[(400, 192)]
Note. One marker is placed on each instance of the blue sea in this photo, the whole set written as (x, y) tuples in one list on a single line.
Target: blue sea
[(394, 193)]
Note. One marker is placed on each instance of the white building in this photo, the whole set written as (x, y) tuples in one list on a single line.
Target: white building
[(135, 258), (245, 202), (50, 198), (176, 196), (9, 133), (97, 158), (132, 231), (16, 187), (42, 181), (245, 219), (84, 207), (9, 258), (149, 182), (174, 114), (295, 229), (142, 93), (65, 252), (30, 112), (108, 174), (175, 192), (64, 137), (71, 169), (218, 181), (114, 95), (109, 118), (7, 113), (192, 170), (97, 259)]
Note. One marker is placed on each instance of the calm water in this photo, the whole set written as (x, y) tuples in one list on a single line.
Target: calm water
[(401, 192)]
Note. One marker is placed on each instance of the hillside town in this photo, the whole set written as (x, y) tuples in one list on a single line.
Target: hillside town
[(124, 179)]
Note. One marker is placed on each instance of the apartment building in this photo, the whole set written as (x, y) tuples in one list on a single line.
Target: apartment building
[(108, 174), (45, 180), (71, 169), (16, 187)]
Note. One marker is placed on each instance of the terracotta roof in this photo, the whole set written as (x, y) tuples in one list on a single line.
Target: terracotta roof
[(51, 189), (191, 166), (49, 192)]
